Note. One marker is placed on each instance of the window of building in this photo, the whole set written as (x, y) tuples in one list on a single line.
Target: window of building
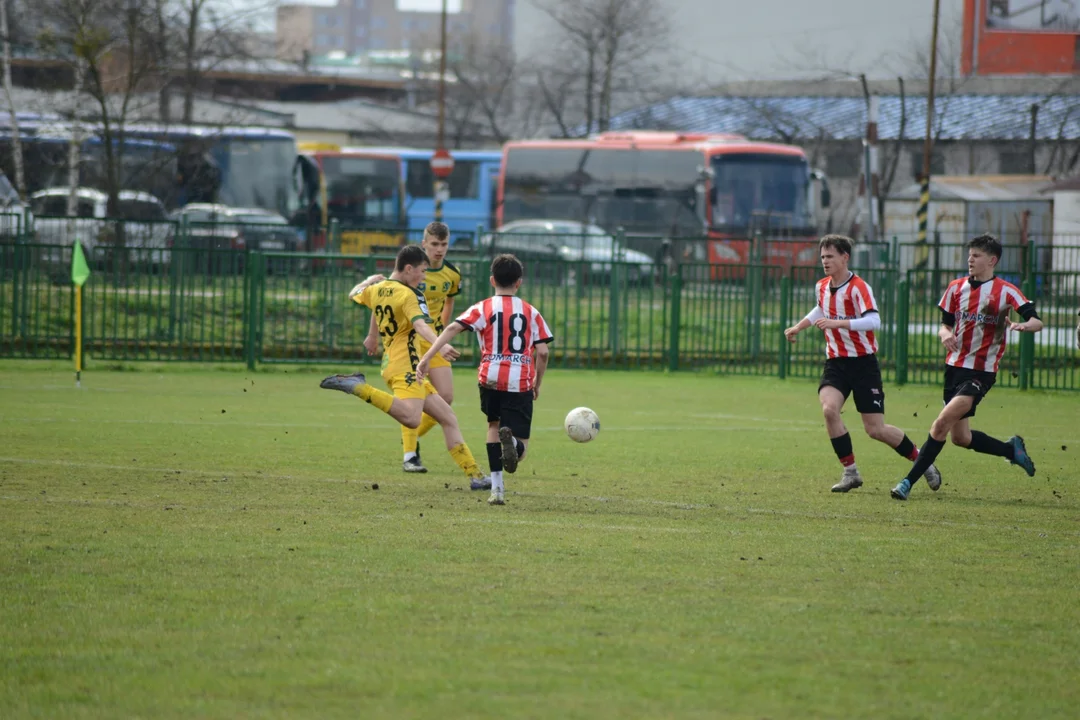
[(937, 162), (359, 4), (360, 31), (1015, 161), (844, 162)]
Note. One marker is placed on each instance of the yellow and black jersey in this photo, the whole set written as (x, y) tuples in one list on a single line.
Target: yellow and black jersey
[(439, 284), (396, 307)]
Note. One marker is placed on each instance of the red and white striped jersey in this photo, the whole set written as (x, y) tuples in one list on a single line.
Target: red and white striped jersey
[(508, 328), (850, 301), (982, 320)]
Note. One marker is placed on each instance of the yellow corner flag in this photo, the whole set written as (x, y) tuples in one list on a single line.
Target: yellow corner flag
[(80, 271)]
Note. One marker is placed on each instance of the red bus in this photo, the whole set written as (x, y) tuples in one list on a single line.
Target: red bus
[(360, 189), (720, 188)]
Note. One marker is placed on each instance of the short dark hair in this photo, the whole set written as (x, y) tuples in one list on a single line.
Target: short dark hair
[(841, 243), (410, 255), (437, 230), (507, 270), (987, 243)]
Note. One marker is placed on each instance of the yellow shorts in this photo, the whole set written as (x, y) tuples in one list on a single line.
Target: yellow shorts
[(406, 387), (439, 361)]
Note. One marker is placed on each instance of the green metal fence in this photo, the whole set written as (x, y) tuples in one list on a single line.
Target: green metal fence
[(253, 307)]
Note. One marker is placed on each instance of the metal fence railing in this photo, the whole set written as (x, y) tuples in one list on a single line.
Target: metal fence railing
[(230, 305)]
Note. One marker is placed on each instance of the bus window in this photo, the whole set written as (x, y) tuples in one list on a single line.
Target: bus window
[(464, 181)]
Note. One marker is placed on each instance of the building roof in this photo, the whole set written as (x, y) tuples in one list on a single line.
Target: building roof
[(957, 117), (981, 188)]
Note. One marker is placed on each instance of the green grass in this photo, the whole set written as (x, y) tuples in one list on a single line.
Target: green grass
[(208, 543)]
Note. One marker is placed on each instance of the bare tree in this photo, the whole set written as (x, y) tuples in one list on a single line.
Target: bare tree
[(108, 42), (607, 54), (16, 142), (194, 37)]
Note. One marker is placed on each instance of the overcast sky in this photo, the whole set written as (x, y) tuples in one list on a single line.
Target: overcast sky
[(747, 39)]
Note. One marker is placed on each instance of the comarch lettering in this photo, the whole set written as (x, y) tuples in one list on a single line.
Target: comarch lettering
[(976, 317)]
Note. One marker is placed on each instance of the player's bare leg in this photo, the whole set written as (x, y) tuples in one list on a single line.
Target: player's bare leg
[(443, 380), (1012, 449), (951, 415), (832, 401), (897, 439), (406, 412), (437, 408)]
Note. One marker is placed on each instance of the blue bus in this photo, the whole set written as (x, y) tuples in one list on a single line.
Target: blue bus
[(241, 167), (474, 186), (145, 165)]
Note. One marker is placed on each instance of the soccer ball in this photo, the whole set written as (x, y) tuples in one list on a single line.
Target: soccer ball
[(582, 424)]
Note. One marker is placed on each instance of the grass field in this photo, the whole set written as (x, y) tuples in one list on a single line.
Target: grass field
[(210, 543)]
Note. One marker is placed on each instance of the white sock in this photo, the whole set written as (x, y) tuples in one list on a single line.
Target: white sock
[(409, 456), (496, 481)]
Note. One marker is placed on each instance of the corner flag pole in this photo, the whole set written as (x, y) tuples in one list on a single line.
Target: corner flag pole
[(80, 271)]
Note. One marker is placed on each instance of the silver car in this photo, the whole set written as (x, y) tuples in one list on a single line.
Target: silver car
[(572, 242), (142, 226)]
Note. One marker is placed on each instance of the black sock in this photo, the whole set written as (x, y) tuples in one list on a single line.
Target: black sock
[(842, 447), (983, 443), (495, 457), (520, 447), (927, 455), (905, 448)]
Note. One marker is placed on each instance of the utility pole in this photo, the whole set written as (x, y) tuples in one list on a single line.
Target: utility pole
[(868, 183), (923, 256), (440, 145)]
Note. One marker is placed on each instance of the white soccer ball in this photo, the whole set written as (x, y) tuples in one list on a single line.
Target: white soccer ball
[(582, 424)]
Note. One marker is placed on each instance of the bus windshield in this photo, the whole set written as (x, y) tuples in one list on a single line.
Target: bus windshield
[(646, 191), (253, 172), (760, 190), (363, 191)]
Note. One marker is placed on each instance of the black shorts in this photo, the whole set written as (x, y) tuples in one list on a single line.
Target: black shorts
[(860, 376), (509, 409), (969, 383)]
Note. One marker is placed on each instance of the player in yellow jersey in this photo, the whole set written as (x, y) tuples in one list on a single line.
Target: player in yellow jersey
[(442, 281), (401, 314)]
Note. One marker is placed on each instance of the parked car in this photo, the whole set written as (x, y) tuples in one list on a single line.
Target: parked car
[(572, 242), (141, 225), (12, 211), (221, 227)]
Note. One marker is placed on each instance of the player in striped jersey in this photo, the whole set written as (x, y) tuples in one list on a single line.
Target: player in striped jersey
[(974, 327), (848, 315), (514, 340)]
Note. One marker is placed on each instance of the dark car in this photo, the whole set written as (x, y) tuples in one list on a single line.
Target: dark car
[(224, 228)]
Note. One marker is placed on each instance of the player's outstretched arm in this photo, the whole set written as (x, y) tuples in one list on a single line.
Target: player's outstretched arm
[(1033, 325), (948, 338), (541, 355), (371, 342), (368, 282), (438, 344), (811, 317)]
